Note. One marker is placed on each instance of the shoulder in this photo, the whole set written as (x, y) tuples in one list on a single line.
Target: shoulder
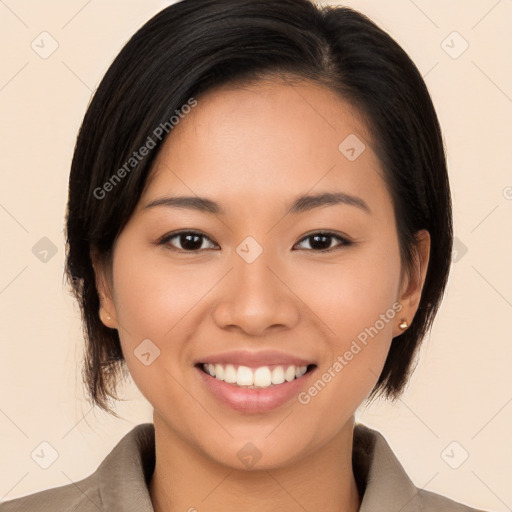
[(81, 496), (119, 483), (383, 482), (430, 501)]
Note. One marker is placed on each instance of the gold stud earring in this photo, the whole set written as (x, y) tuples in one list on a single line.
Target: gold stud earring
[(403, 324), (103, 311)]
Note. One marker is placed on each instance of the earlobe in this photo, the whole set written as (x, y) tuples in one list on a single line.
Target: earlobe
[(106, 319)]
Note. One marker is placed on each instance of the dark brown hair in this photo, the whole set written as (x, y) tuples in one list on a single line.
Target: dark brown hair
[(195, 45)]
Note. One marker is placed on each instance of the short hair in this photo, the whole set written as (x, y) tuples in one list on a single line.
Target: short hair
[(195, 45)]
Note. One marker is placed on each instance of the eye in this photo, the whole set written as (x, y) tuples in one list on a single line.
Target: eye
[(322, 241), (189, 241), (193, 241)]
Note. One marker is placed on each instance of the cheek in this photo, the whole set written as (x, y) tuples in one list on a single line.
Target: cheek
[(158, 300), (154, 301), (154, 296), (352, 294)]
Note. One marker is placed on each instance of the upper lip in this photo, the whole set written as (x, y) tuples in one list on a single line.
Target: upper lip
[(255, 358)]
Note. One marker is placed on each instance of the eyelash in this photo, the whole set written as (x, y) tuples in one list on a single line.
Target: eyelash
[(165, 240)]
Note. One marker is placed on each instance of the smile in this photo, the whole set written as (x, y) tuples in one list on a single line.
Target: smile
[(254, 378)]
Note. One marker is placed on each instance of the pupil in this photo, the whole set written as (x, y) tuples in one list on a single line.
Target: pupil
[(322, 244), (187, 244)]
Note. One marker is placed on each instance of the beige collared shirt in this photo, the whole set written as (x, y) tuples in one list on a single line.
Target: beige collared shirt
[(120, 484)]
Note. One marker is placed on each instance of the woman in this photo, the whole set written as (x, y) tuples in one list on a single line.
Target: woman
[(259, 230)]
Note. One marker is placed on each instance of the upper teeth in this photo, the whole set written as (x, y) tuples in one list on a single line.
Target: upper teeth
[(261, 377)]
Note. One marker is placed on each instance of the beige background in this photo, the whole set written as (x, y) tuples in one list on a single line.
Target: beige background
[(462, 388)]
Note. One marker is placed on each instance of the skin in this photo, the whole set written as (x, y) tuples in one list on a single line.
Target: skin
[(254, 149)]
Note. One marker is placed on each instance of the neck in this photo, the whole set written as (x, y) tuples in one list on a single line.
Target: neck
[(187, 480)]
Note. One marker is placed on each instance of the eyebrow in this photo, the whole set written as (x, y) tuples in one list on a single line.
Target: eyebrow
[(301, 204)]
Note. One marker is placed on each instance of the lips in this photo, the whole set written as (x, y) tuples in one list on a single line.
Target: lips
[(257, 382)]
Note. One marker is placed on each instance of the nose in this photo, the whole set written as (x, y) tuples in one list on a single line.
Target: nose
[(255, 298)]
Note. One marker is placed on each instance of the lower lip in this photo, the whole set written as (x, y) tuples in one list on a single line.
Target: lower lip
[(254, 400)]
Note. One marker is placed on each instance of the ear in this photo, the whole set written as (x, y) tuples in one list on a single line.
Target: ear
[(412, 283), (104, 285)]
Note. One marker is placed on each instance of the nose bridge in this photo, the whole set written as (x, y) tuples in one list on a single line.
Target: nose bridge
[(254, 298), (251, 271)]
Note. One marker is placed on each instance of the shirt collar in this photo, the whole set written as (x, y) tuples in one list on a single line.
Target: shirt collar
[(124, 475)]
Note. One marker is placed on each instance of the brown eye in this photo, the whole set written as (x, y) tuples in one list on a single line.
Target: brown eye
[(187, 241), (322, 241)]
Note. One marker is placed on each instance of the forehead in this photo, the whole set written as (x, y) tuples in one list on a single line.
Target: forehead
[(266, 139)]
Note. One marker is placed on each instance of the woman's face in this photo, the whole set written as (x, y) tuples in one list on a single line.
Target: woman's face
[(255, 289)]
